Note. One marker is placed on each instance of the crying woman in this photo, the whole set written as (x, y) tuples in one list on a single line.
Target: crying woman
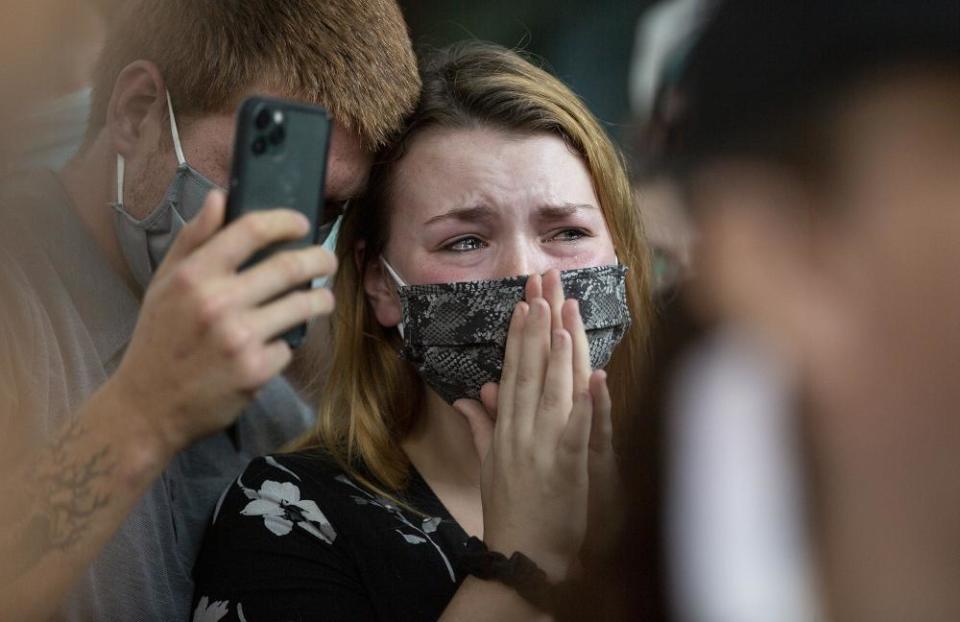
[(491, 317)]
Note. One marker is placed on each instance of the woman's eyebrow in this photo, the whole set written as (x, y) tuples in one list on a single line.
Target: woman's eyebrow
[(477, 213), (558, 212)]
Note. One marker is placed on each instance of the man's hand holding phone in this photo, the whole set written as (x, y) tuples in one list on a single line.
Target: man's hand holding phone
[(207, 336)]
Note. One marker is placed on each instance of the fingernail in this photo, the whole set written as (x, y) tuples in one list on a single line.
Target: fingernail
[(556, 338)]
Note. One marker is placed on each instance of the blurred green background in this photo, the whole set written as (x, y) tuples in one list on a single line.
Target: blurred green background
[(587, 44)]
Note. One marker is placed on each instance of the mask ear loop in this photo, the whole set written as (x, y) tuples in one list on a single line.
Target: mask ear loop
[(177, 147), (175, 133), (399, 282), (393, 273), (121, 165)]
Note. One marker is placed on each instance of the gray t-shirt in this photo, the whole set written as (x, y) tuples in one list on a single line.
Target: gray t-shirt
[(72, 317)]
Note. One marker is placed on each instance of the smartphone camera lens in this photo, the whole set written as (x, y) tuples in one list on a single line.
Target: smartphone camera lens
[(277, 135), (259, 146), (263, 119)]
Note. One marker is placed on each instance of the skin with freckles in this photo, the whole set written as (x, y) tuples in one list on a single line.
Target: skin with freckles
[(474, 204)]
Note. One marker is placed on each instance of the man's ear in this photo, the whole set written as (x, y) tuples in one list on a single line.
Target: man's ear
[(139, 98), (379, 288), (761, 261)]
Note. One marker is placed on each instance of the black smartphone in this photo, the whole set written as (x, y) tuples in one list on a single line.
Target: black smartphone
[(280, 160)]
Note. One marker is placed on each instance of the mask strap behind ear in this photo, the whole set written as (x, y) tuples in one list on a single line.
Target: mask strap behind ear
[(120, 169), (400, 283), (176, 134), (393, 273)]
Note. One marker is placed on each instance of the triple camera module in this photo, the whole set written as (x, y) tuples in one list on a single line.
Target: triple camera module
[(270, 130)]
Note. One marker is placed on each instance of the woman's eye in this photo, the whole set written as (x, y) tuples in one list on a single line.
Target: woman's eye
[(569, 235), (471, 243)]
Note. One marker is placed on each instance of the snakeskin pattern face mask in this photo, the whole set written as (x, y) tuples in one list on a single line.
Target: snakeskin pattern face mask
[(455, 334)]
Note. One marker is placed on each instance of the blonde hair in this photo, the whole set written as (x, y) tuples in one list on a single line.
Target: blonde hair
[(352, 56), (371, 398)]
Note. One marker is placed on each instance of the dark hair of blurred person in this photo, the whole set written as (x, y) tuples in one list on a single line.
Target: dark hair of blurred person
[(820, 146), (133, 333)]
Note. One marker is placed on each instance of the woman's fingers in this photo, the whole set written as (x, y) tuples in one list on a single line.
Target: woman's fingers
[(531, 367), (573, 323), (536, 495), (572, 454), (605, 497), (553, 293), (508, 375), (533, 288), (601, 430), (556, 399)]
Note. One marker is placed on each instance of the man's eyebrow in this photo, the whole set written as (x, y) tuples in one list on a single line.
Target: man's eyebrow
[(475, 213)]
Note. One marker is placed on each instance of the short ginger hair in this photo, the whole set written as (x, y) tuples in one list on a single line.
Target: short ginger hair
[(354, 57)]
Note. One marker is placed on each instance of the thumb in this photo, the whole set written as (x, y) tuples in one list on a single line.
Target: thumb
[(489, 396), (481, 424)]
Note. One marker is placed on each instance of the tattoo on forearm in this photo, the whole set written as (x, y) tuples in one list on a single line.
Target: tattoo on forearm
[(71, 486), (62, 491), (65, 490)]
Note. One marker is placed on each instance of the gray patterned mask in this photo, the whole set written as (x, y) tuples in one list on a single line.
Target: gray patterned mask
[(455, 333)]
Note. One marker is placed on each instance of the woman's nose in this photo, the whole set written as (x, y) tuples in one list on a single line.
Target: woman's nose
[(521, 260)]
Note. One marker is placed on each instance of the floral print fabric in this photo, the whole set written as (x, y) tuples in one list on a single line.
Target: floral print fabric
[(294, 538)]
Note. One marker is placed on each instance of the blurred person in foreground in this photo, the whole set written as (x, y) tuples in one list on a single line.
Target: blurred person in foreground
[(820, 147), (48, 107), (495, 266), (47, 50), (664, 33), (127, 332)]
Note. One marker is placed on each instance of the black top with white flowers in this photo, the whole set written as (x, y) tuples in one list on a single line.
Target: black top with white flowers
[(293, 538)]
